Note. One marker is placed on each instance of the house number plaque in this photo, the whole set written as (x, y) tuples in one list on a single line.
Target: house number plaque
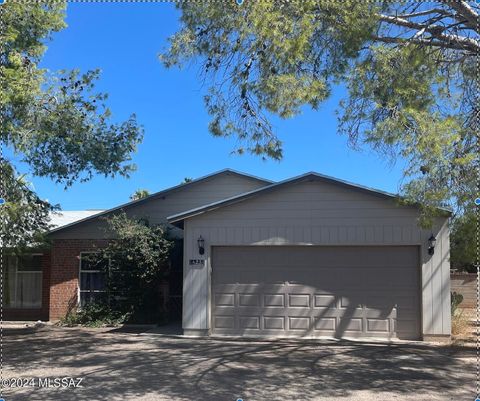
[(197, 262)]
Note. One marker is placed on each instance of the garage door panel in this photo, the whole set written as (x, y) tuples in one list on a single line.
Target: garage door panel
[(333, 291), (351, 324), (249, 322), (274, 300), (298, 323), (325, 324), (224, 322), (224, 299), (274, 322), (261, 288), (248, 299), (299, 300), (381, 325), (325, 301)]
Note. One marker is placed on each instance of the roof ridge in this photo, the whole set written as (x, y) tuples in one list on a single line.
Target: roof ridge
[(159, 193), (238, 198)]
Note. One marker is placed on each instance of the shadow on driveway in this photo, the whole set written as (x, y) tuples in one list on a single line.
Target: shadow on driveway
[(118, 365)]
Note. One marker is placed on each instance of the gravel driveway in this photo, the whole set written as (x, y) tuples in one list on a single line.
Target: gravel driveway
[(116, 365)]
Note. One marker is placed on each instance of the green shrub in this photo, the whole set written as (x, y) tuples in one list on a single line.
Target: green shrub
[(95, 315), (455, 300), (138, 264)]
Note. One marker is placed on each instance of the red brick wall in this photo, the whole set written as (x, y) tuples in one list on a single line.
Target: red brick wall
[(64, 274), (36, 313)]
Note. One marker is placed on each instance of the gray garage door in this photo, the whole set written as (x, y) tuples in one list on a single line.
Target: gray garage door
[(316, 291)]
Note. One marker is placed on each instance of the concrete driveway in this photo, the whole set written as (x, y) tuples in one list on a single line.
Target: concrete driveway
[(116, 365)]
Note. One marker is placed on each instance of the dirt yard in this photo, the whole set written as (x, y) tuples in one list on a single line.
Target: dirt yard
[(115, 364)]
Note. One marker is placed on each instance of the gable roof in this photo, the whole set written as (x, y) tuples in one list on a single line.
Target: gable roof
[(160, 194), (178, 218)]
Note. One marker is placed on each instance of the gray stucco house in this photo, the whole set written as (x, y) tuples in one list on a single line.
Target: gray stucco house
[(310, 256)]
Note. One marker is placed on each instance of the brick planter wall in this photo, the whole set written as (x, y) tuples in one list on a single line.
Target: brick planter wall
[(465, 284), (64, 274)]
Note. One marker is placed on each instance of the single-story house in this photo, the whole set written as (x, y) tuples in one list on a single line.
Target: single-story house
[(311, 256)]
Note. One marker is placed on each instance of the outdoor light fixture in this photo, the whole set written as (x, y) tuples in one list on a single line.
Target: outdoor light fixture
[(201, 245), (431, 244)]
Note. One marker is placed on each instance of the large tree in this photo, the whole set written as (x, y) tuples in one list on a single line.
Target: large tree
[(463, 240), (55, 122), (409, 67)]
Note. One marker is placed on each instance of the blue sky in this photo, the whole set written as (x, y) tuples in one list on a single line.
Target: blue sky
[(124, 40)]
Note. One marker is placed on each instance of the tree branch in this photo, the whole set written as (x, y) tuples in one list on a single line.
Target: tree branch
[(466, 11), (436, 31), (427, 12), (418, 41)]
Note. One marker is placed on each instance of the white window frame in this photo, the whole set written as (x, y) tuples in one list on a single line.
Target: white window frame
[(15, 293), (80, 271)]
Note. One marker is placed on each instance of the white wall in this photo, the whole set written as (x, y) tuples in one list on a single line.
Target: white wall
[(317, 213)]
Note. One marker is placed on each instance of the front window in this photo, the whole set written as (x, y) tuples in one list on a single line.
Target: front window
[(91, 279), (22, 281)]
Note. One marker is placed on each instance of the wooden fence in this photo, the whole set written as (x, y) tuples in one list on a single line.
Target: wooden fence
[(465, 284)]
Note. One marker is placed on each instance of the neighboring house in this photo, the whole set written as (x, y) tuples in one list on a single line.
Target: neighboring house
[(309, 256), (67, 217)]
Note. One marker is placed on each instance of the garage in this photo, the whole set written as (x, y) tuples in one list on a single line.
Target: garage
[(316, 291), (315, 257)]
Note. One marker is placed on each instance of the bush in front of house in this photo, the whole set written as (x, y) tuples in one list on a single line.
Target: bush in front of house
[(95, 315), (138, 266)]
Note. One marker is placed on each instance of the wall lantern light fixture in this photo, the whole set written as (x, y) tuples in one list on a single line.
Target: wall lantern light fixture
[(432, 241), (201, 245)]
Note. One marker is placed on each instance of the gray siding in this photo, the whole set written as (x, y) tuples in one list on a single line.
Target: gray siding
[(215, 188), (317, 213)]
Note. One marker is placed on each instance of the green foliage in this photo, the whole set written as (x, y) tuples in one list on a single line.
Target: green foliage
[(54, 122), (278, 55), (66, 134), (25, 215), (463, 242), (409, 69), (95, 315), (139, 194), (401, 105), (138, 262), (455, 300)]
